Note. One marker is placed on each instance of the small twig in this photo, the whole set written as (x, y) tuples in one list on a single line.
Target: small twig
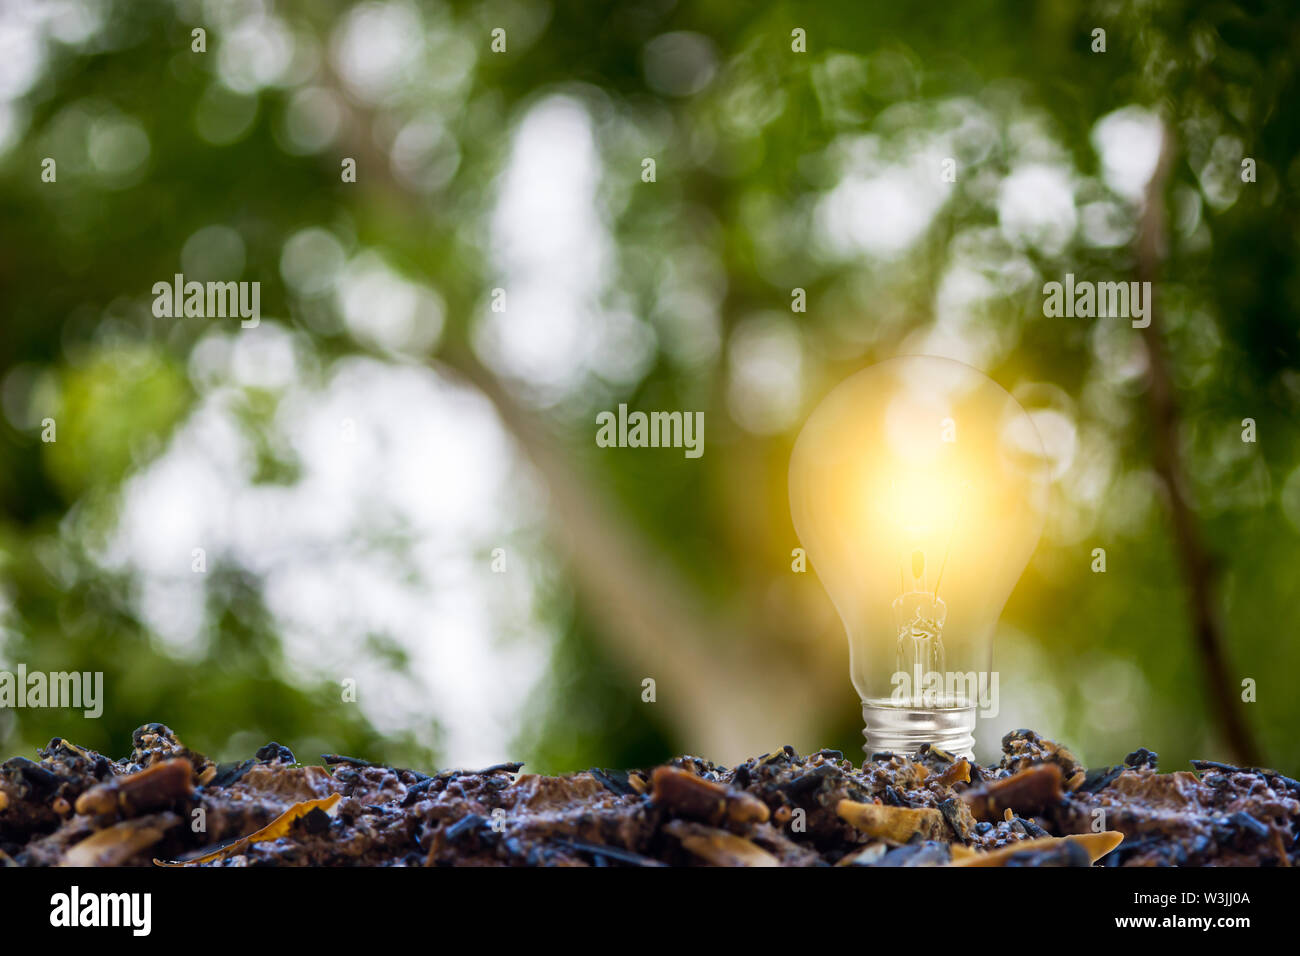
[(608, 852)]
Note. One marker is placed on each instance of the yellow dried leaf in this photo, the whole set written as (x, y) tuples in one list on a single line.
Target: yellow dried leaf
[(272, 831), (1097, 845)]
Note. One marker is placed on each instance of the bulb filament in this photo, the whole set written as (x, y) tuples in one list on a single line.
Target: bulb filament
[(919, 616)]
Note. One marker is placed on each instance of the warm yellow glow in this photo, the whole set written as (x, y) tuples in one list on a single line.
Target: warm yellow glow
[(918, 503), (918, 476)]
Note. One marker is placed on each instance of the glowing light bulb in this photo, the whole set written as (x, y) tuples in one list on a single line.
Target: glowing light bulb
[(918, 489)]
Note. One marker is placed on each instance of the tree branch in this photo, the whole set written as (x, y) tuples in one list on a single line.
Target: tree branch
[(725, 692), (1198, 569)]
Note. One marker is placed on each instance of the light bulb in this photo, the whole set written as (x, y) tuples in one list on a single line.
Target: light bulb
[(918, 489)]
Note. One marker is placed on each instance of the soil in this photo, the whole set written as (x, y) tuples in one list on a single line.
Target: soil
[(1038, 806)]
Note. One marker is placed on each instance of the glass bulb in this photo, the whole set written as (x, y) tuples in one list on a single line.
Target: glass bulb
[(918, 489)]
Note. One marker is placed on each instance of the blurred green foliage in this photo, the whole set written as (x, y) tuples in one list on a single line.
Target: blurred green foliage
[(750, 153)]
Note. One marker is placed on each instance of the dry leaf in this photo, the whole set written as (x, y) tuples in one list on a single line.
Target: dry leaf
[(272, 831), (1096, 844)]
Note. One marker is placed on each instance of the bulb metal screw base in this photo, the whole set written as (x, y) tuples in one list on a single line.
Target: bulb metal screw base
[(902, 730)]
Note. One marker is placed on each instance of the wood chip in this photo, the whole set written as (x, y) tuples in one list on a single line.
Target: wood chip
[(117, 844), (158, 786), (1027, 793), (957, 773), (868, 855), (719, 847), (687, 795), (891, 823)]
